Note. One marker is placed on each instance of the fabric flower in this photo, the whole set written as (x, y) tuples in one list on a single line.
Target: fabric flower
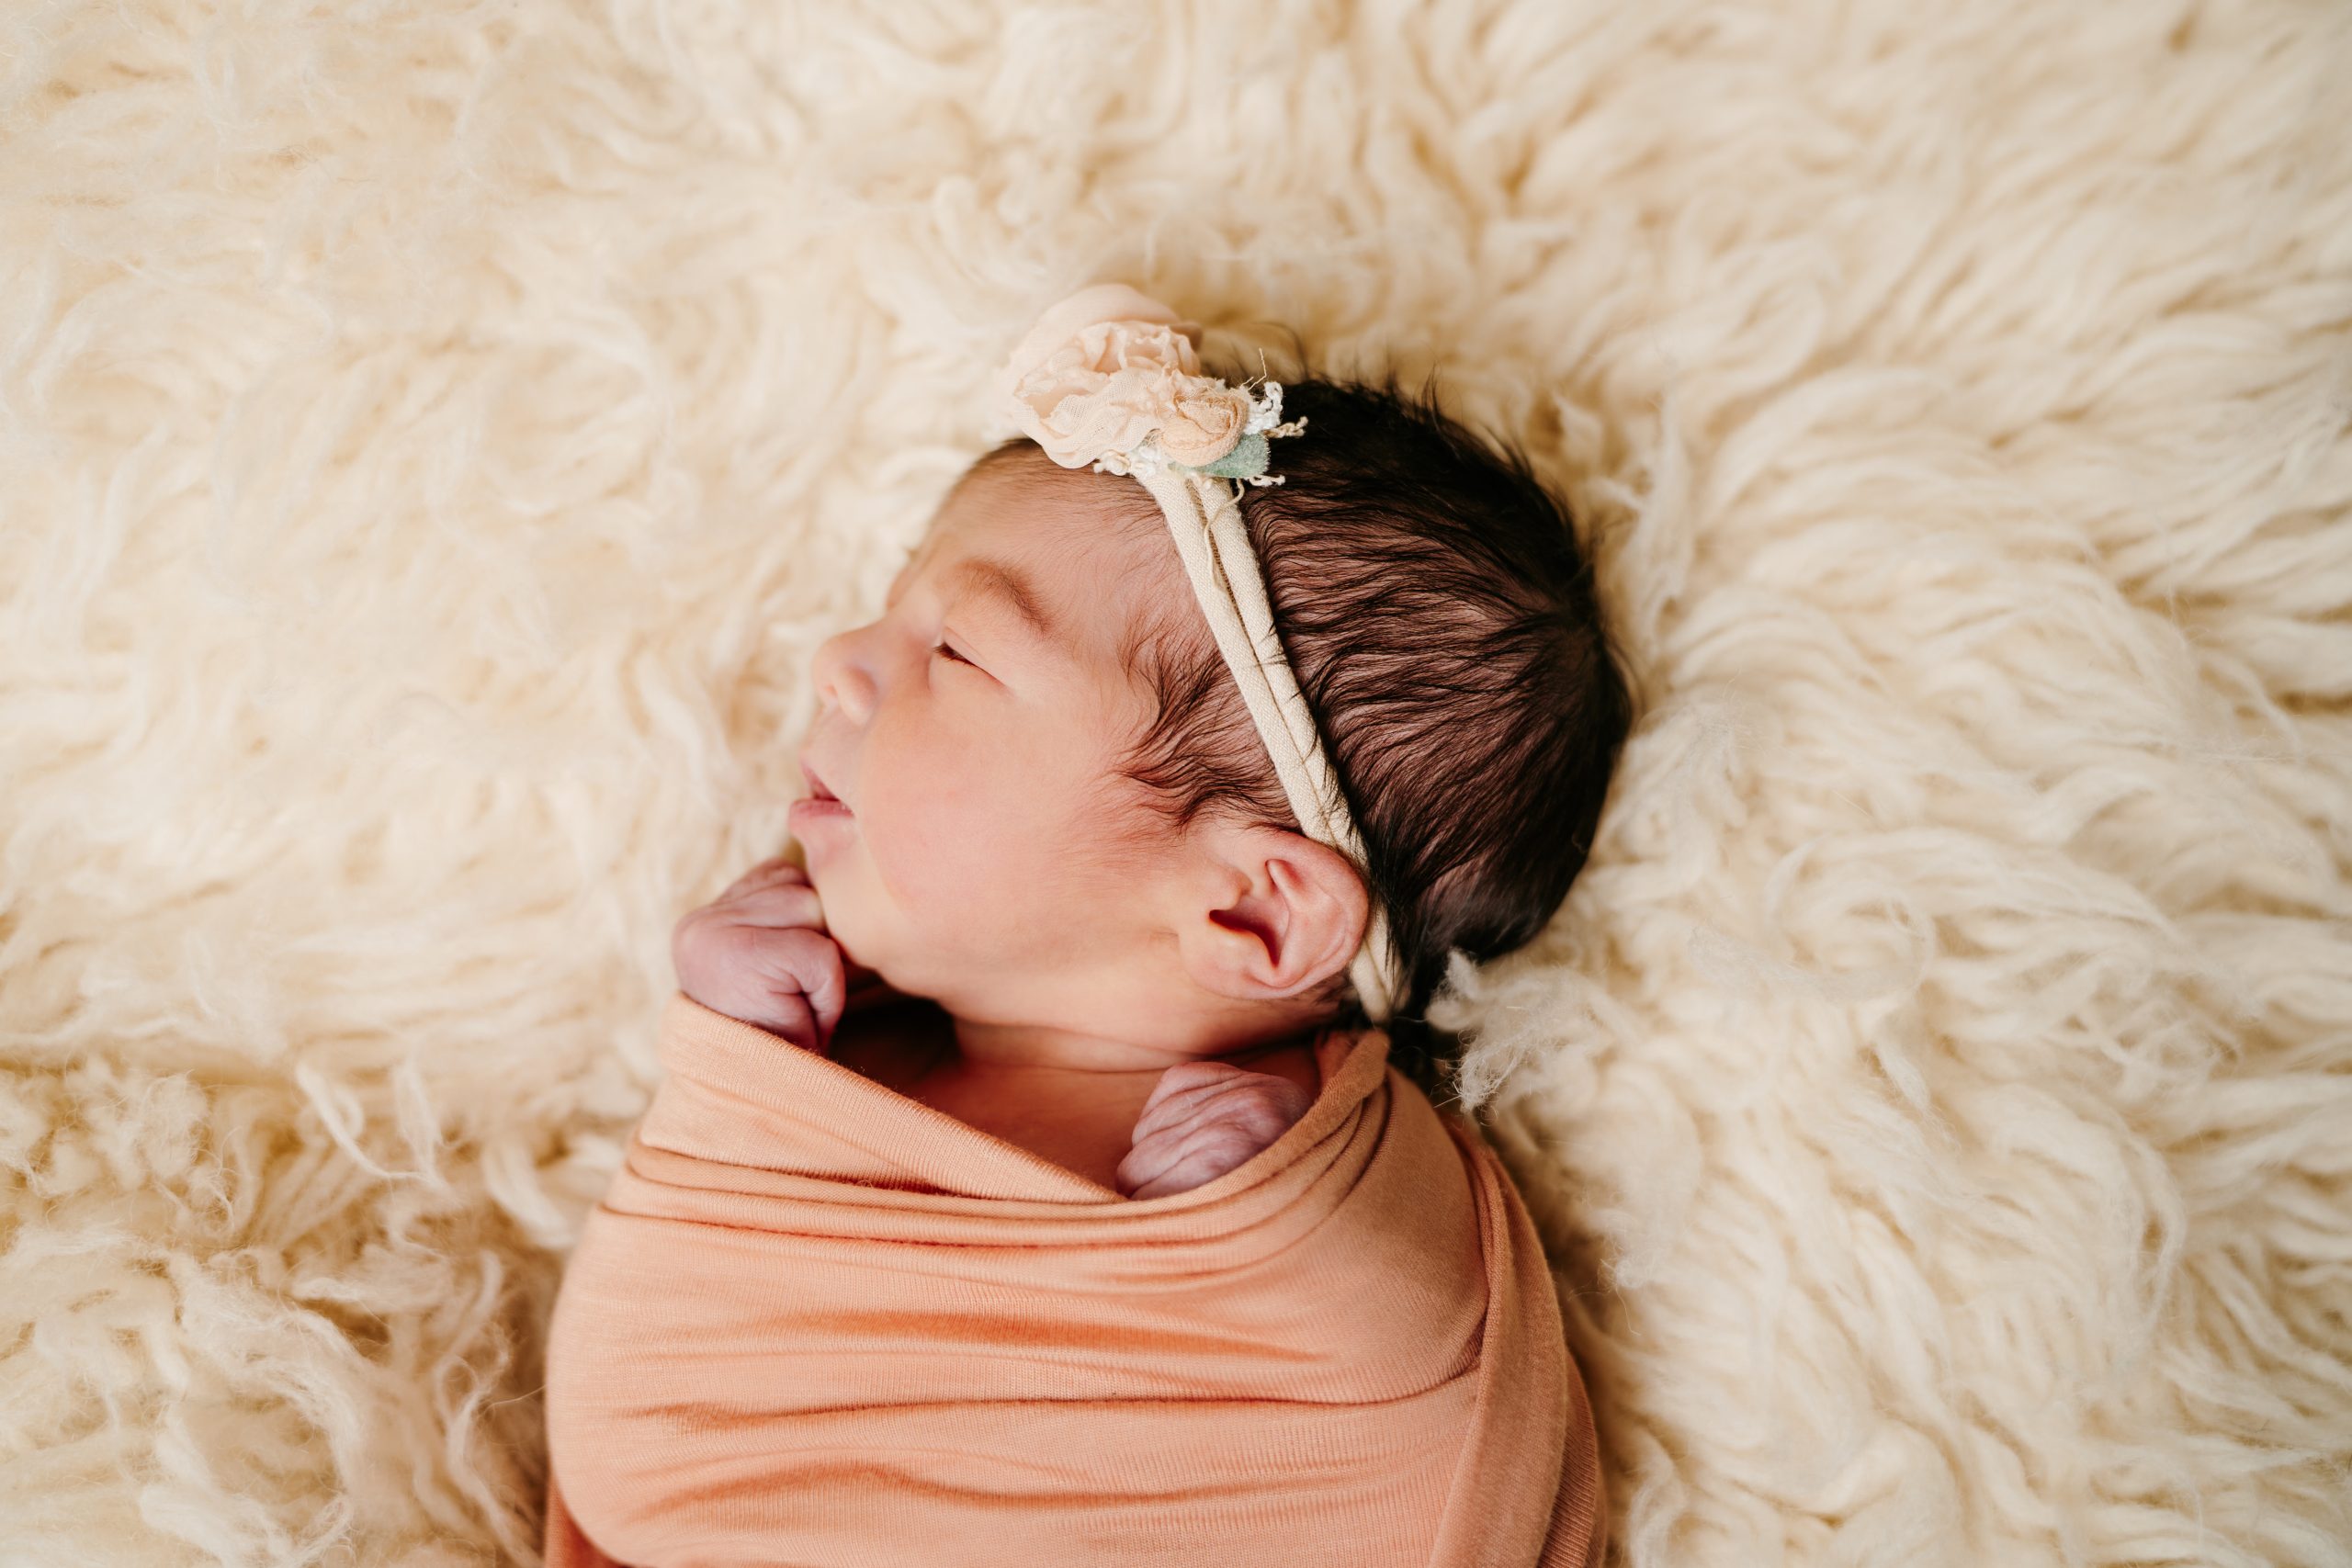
[(1108, 367), (1204, 423)]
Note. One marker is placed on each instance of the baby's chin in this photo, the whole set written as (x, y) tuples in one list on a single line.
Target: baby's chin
[(862, 958)]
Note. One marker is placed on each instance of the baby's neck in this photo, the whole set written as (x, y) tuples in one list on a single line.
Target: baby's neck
[(983, 1047), (912, 1047), (937, 1042)]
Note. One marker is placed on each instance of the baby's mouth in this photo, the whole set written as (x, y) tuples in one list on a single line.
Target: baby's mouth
[(818, 790)]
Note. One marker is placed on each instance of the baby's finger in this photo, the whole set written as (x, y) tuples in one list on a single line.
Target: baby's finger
[(780, 904), (1182, 1091), (1185, 1076), (773, 869), (814, 963), (1180, 1160)]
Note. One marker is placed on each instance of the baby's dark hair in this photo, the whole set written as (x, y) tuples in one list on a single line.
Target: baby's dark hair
[(1443, 626)]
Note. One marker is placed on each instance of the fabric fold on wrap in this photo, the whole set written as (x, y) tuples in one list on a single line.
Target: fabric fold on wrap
[(815, 1323)]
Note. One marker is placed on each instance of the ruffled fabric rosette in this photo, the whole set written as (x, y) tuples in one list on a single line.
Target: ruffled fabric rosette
[(1111, 377)]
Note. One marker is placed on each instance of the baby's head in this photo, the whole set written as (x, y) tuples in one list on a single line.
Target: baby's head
[(1062, 816)]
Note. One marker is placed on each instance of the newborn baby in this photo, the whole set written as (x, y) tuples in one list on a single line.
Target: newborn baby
[(1056, 889), (1034, 802)]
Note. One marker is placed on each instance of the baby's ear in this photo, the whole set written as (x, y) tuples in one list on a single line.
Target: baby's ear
[(1277, 914)]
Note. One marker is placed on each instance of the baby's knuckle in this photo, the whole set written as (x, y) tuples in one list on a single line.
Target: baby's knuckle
[(787, 899), (804, 945), (1224, 1143), (1198, 1072), (1277, 1094)]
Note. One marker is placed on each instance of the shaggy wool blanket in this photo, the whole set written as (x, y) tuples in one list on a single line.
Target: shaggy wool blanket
[(434, 436)]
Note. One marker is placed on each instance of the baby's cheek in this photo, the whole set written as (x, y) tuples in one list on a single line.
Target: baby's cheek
[(942, 867), (925, 913), (922, 856)]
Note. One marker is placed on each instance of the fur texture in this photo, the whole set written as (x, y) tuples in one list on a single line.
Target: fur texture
[(433, 437)]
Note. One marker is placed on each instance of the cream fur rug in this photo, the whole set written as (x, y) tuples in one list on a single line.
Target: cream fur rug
[(436, 437)]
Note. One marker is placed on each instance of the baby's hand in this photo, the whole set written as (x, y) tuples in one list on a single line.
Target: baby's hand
[(760, 953), (1202, 1120)]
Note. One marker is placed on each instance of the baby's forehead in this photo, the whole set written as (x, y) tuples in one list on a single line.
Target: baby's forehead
[(1072, 547), (1058, 522)]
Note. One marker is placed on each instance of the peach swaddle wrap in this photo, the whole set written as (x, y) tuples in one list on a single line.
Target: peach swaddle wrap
[(817, 1323)]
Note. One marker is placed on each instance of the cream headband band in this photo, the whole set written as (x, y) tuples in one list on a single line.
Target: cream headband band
[(1110, 377)]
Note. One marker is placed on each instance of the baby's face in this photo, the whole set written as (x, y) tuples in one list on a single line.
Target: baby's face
[(988, 858)]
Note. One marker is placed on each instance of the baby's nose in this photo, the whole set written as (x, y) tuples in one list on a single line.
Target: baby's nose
[(842, 680)]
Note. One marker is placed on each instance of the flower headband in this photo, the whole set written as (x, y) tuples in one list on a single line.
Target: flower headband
[(1111, 377)]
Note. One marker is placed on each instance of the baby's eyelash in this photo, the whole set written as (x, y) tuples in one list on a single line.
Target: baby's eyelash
[(943, 648)]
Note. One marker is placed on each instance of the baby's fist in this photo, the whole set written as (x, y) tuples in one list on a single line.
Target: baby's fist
[(760, 953), (1202, 1120)]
